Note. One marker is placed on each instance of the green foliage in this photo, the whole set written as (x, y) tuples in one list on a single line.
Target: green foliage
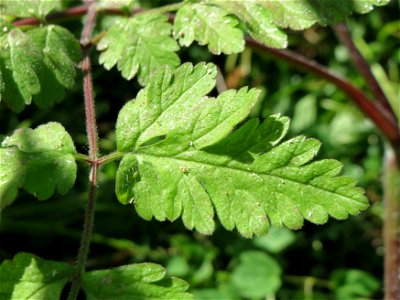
[(353, 284), (190, 156), (179, 155), (139, 45), (29, 8), (258, 20), (139, 281), (264, 19), (257, 275), (37, 65), (276, 240), (30, 277), (209, 25), (39, 161)]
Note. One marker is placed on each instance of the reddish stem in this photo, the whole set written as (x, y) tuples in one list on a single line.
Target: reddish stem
[(342, 32), (374, 110), (92, 138)]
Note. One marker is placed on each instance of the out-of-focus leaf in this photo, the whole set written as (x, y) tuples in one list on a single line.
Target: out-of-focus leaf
[(30, 277), (353, 284), (276, 240), (138, 281), (305, 113), (257, 275), (39, 161), (29, 8)]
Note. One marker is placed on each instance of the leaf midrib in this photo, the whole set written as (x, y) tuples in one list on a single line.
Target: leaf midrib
[(245, 171)]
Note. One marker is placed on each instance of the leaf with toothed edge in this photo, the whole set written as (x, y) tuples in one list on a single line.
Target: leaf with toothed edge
[(136, 281), (139, 45), (265, 19), (30, 277), (209, 25), (184, 157), (37, 65), (29, 8), (40, 161)]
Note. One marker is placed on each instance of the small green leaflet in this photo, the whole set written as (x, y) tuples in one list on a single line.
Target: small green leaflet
[(137, 281), (182, 157), (30, 277), (37, 66), (121, 4), (258, 21), (29, 8), (257, 275), (209, 25), (39, 161), (139, 45), (264, 18)]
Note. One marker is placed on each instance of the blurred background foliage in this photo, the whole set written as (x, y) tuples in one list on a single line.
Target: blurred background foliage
[(338, 260)]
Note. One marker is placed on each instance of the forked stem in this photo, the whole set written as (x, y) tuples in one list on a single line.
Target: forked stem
[(93, 149)]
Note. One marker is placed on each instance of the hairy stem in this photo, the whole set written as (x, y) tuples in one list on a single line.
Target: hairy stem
[(391, 227), (92, 138), (109, 158)]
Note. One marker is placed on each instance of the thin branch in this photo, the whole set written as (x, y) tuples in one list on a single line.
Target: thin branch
[(92, 138), (73, 12), (391, 226), (374, 110), (109, 158), (342, 32)]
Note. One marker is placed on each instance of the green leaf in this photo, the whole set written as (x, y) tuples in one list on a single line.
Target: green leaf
[(29, 8), (182, 158), (257, 275), (37, 65), (137, 281), (276, 240), (258, 20), (30, 277), (209, 25), (354, 284), (264, 18), (139, 45), (119, 4), (301, 14), (39, 161), (305, 113)]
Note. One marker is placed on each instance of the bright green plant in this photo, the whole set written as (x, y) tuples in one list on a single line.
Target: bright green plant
[(183, 154)]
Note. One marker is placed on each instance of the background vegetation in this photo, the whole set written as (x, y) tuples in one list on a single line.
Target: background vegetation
[(338, 260)]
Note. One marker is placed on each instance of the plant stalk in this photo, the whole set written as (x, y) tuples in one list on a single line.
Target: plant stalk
[(343, 34), (373, 110), (93, 149), (391, 226)]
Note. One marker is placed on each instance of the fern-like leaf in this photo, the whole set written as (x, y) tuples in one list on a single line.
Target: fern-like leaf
[(39, 160), (37, 65), (139, 45), (182, 159), (209, 25)]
